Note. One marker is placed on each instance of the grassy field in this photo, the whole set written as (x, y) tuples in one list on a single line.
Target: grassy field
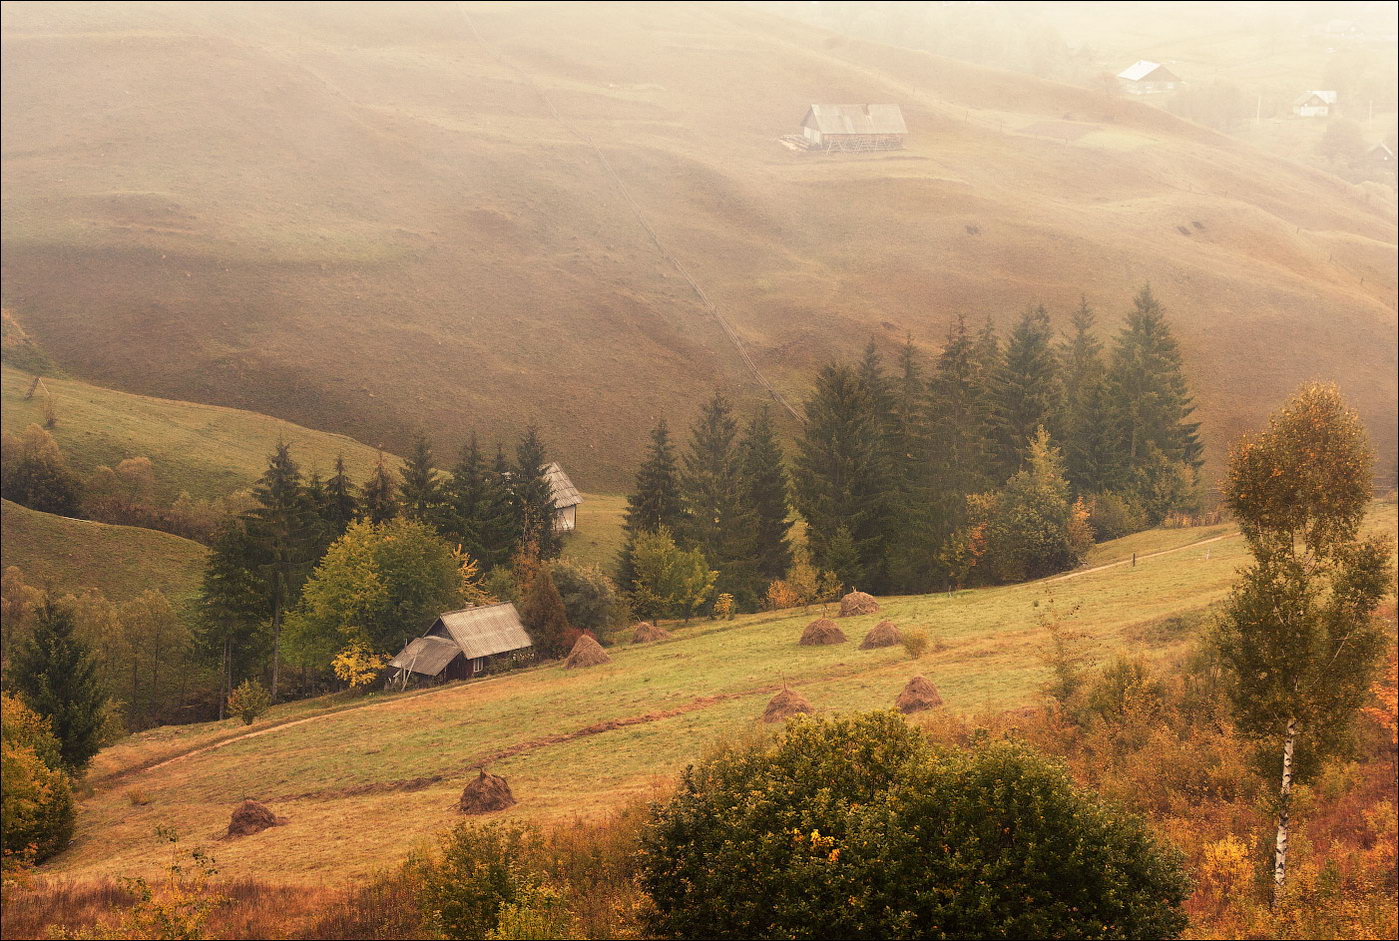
[(68, 555), (356, 218), (362, 781), (598, 537)]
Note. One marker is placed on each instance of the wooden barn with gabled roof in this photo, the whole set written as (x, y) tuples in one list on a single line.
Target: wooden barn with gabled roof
[(566, 499), (462, 644), (1145, 77), (854, 128)]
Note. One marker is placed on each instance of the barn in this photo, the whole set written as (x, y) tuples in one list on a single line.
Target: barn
[(462, 644), (1314, 104), (566, 499), (854, 128), (1147, 78)]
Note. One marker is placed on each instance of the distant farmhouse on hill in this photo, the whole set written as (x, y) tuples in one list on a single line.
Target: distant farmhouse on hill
[(1314, 104), (1148, 78), (852, 128), (462, 644), (566, 499)]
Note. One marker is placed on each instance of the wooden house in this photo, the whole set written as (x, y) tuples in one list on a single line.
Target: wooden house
[(566, 499), (1314, 104), (854, 128), (1380, 157), (1147, 78), (462, 644)]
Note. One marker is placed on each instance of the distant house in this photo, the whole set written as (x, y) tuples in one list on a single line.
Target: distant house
[(1314, 104), (566, 499), (462, 644), (1380, 156), (854, 127), (1147, 78)]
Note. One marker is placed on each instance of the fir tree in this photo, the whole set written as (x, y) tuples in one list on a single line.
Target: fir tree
[(479, 514), (533, 495), (55, 673), (718, 518), (379, 504), (908, 444), (420, 485), (654, 501), (232, 605), (765, 479), (1027, 393), (340, 507), (543, 614), (1092, 449)]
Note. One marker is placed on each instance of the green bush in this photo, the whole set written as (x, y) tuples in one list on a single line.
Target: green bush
[(248, 701), (1114, 515), (36, 800), (478, 875), (590, 598), (851, 828)]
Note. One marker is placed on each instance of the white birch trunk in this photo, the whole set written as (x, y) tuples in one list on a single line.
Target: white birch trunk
[(1284, 802)]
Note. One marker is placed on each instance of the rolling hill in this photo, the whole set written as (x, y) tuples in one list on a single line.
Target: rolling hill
[(362, 781), (377, 218)]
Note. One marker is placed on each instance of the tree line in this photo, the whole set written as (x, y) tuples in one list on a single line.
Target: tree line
[(1002, 459)]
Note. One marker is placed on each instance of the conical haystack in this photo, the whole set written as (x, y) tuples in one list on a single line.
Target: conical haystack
[(883, 634), (252, 817), (487, 793), (821, 632), (857, 602), (786, 704), (645, 632), (919, 694), (586, 653)]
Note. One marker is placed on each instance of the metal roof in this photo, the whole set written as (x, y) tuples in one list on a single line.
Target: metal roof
[(427, 656), (482, 631), (565, 494), (856, 119), (1145, 68)]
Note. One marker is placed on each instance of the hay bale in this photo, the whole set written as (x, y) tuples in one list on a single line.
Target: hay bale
[(645, 632), (821, 632), (786, 704), (251, 817), (917, 695), (856, 603), (884, 634), (488, 793), (586, 653)]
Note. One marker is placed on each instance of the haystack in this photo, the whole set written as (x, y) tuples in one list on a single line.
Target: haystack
[(586, 653), (884, 634), (487, 793), (786, 704), (919, 694), (857, 602), (821, 632), (645, 632), (252, 817)]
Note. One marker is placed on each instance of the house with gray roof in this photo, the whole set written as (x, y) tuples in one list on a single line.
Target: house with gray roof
[(854, 127), (462, 644)]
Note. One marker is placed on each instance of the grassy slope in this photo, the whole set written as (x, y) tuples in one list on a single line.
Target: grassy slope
[(68, 555), (357, 220), (362, 785)]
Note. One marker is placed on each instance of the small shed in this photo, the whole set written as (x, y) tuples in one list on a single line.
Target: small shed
[(462, 644), (1314, 104), (1380, 156), (1145, 77), (854, 127), (566, 499)]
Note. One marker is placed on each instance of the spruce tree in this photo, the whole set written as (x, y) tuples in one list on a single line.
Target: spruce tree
[(718, 519), (765, 479), (478, 512), (379, 504), (543, 614), (1027, 390), (340, 508), (654, 501), (1149, 390), (1092, 449), (420, 485), (908, 445), (232, 605), (533, 495), (56, 674)]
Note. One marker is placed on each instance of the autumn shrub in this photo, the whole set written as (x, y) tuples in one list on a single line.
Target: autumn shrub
[(36, 800), (357, 665), (474, 875), (915, 642), (249, 700)]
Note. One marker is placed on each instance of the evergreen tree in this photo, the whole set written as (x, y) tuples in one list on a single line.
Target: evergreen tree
[(840, 477), (1033, 529), (340, 508), (1027, 394), (718, 519), (55, 673), (1149, 391), (420, 485), (765, 480), (232, 605), (479, 513), (379, 504), (1092, 446), (543, 614), (533, 495), (654, 501), (908, 443)]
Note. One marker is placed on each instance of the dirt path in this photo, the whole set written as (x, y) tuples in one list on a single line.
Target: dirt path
[(1149, 555)]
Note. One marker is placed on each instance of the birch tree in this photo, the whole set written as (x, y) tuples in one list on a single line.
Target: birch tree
[(1298, 630)]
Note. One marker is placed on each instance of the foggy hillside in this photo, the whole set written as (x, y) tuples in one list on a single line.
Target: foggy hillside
[(375, 218)]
